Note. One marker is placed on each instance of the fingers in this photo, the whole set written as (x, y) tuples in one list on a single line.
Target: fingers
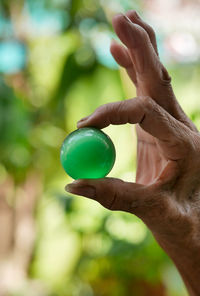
[(138, 42), (171, 133), (135, 18), (150, 76), (121, 55), (115, 194)]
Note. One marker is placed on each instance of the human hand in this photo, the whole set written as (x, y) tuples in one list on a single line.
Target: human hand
[(167, 193)]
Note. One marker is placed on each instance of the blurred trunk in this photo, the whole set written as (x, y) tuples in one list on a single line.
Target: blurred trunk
[(17, 230)]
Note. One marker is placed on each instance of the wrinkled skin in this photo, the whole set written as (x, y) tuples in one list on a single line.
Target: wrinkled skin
[(166, 195)]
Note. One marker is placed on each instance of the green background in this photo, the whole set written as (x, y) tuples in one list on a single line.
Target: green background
[(53, 243)]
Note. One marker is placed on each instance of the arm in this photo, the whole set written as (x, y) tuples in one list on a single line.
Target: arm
[(167, 193)]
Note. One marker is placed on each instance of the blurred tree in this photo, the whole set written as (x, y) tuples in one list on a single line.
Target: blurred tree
[(55, 68)]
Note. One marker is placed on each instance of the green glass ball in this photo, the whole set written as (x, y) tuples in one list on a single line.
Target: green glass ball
[(87, 153)]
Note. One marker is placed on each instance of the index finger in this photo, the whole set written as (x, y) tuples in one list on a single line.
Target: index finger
[(172, 134)]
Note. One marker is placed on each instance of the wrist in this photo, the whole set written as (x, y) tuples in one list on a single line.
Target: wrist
[(186, 257)]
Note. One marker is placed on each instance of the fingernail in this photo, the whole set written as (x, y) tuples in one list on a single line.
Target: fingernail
[(81, 122), (137, 15), (88, 191), (84, 118), (127, 18)]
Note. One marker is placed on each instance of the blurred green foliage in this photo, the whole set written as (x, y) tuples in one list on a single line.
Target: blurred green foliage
[(81, 248)]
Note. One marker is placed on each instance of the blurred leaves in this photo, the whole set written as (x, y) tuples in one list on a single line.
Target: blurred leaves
[(81, 249)]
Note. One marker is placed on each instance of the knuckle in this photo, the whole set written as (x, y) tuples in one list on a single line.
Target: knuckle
[(165, 78), (161, 74), (148, 102)]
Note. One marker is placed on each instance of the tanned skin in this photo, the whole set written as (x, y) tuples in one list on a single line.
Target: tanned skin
[(166, 195)]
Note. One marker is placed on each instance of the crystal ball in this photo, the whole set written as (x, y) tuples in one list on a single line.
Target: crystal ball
[(87, 153)]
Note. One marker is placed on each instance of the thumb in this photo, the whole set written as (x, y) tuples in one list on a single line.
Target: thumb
[(115, 194)]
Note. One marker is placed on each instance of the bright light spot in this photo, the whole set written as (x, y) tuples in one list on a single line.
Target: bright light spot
[(90, 5), (117, 6), (48, 134), (85, 223), (172, 279), (98, 245), (128, 176), (85, 56), (58, 248), (20, 156), (46, 22), (12, 57), (133, 232), (39, 97), (101, 42), (100, 38), (184, 47), (86, 25), (6, 28)]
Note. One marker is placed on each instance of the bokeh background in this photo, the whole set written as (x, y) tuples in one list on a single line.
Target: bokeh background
[(56, 68)]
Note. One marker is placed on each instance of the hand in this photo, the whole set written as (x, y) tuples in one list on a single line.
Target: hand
[(167, 193)]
